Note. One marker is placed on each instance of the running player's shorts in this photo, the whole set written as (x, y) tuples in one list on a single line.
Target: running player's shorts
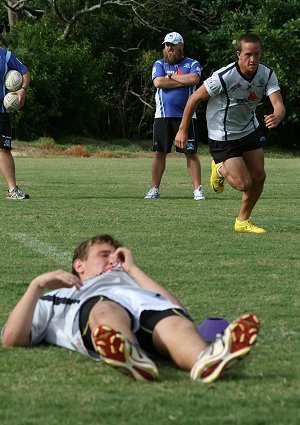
[(220, 151), (5, 131), (148, 321), (164, 133)]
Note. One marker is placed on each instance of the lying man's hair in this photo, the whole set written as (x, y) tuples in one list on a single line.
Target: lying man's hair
[(82, 251)]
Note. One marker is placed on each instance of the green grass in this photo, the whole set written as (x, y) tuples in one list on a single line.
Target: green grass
[(188, 246)]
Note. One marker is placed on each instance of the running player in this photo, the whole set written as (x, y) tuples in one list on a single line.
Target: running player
[(235, 140)]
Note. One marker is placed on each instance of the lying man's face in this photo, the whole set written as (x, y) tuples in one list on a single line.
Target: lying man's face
[(99, 257)]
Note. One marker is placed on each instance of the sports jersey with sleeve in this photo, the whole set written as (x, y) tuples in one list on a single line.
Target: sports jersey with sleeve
[(8, 62), (56, 316), (171, 102), (233, 100)]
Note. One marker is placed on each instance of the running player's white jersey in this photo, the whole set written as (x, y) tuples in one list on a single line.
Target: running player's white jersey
[(230, 111), (56, 317)]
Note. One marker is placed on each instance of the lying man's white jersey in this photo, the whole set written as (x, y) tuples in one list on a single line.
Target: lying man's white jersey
[(56, 317)]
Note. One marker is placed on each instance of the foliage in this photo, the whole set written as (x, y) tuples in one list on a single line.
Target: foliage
[(69, 86), (91, 61)]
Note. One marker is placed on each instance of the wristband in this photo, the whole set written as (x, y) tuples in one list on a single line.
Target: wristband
[(24, 88)]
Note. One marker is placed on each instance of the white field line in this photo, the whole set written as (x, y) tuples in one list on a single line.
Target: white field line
[(44, 249)]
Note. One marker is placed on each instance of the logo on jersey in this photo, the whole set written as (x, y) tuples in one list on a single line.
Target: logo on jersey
[(252, 96), (261, 82), (235, 87)]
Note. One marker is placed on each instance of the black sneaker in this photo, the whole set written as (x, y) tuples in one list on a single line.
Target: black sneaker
[(16, 193)]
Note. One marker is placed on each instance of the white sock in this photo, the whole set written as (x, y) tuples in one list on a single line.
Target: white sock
[(218, 172)]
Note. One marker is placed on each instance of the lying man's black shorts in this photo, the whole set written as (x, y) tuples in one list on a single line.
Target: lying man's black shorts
[(148, 321)]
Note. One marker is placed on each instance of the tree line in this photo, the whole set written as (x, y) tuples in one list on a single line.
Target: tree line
[(90, 60)]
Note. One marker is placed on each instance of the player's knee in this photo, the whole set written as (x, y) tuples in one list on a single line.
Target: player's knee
[(105, 309), (160, 155), (244, 185), (260, 178), (249, 183)]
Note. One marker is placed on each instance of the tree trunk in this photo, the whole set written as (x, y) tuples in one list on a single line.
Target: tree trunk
[(13, 17)]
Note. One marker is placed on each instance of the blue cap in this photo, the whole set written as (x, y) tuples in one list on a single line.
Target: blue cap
[(173, 38)]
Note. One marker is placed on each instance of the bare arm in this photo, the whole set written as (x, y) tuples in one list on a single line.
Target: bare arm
[(274, 119), (200, 95), (18, 326), (177, 80), (125, 256), (22, 92)]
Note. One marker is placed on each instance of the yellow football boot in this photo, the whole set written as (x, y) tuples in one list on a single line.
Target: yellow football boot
[(216, 182), (247, 227)]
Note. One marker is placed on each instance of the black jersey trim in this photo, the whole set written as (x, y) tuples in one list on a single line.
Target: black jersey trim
[(227, 97), (57, 300)]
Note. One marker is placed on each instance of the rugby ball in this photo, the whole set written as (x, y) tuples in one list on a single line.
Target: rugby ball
[(11, 102), (13, 80)]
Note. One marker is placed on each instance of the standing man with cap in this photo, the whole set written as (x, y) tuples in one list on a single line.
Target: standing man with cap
[(175, 78)]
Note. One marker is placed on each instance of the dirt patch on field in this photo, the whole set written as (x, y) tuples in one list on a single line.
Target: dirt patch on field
[(24, 149)]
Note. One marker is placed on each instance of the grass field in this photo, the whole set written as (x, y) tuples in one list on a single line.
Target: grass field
[(188, 246)]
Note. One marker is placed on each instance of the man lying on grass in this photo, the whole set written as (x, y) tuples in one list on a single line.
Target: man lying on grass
[(110, 310)]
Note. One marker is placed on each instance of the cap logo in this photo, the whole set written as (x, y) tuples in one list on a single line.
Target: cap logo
[(173, 38)]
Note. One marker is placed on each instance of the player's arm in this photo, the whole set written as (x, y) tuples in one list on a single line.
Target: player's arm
[(22, 92), (172, 81), (200, 95), (17, 329), (274, 119), (125, 256), (185, 79)]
